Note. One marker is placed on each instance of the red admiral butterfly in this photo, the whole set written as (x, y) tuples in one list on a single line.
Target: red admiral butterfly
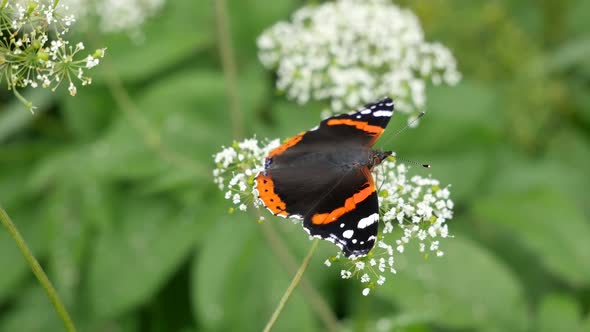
[(323, 176)]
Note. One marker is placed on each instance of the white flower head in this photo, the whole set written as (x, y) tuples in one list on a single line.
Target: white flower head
[(236, 168), (350, 52), (117, 15), (38, 53)]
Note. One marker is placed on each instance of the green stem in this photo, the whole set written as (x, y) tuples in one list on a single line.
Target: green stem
[(292, 286), (28, 104), (228, 64), (315, 299), (37, 270)]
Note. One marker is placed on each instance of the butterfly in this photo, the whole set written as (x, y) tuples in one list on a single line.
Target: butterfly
[(323, 176)]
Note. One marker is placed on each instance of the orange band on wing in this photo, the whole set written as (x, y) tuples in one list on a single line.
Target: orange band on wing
[(289, 143), (364, 126), (349, 205), (266, 192)]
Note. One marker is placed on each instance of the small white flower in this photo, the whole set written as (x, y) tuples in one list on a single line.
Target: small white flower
[(345, 274), (91, 62), (72, 89), (366, 291), (365, 278)]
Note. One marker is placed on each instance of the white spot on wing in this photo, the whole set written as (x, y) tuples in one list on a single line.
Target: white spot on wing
[(366, 111), (367, 221), (382, 113), (348, 233)]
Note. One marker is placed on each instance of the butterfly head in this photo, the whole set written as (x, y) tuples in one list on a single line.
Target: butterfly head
[(377, 156)]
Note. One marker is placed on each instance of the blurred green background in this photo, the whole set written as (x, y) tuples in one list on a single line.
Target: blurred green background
[(113, 188)]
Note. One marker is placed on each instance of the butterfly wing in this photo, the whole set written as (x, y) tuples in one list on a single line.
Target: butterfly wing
[(348, 216), (307, 178), (338, 206), (362, 127)]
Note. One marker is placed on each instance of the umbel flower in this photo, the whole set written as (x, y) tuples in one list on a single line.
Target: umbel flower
[(34, 51), (350, 52), (116, 15), (413, 210)]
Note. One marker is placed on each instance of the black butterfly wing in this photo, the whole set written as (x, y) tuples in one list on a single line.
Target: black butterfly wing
[(338, 206), (348, 216), (311, 176), (362, 127)]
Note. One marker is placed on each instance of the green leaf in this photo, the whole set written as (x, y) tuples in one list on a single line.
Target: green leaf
[(87, 113), (177, 33), (250, 19), (194, 124), (15, 116), (466, 288), (66, 212), (571, 54), (549, 225), (464, 171), (514, 174), (448, 122), (237, 282), (133, 260), (559, 313), (169, 130), (284, 119), (32, 312)]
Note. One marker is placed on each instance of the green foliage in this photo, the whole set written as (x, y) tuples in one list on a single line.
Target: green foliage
[(112, 188)]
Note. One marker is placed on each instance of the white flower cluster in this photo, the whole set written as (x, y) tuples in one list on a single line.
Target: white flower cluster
[(415, 208), (116, 15), (412, 209), (351, 52), (236, 167), (34, 51)]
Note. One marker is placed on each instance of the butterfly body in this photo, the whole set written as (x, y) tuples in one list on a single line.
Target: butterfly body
[(323, 176)]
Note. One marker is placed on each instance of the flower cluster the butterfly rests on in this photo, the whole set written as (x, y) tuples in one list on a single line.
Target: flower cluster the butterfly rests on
[(34, 51), (350, 52), (412, 209)]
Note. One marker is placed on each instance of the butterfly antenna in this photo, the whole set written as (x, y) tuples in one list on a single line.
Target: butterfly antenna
[(412, 162), (410, 124)]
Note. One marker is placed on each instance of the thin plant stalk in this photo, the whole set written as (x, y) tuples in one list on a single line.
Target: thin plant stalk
[(61, 310), (228, 64), (292, 286), (315, 299)]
